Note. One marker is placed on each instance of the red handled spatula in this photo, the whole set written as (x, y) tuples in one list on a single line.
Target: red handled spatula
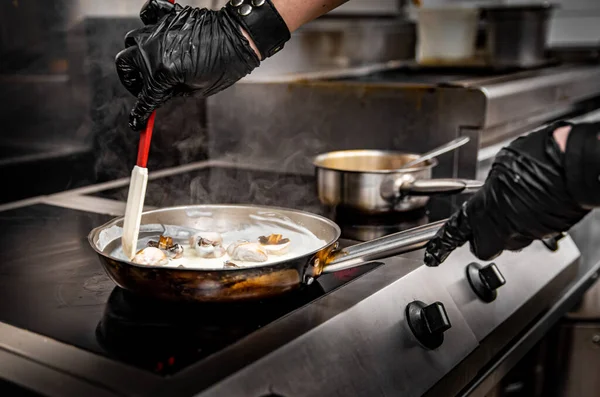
[(137, 191)]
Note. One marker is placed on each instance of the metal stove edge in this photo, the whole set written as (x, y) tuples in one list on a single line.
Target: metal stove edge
[(422, 284), (383, 349)]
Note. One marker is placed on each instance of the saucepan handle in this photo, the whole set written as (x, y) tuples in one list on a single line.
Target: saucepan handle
[(395, 189), (429, 187), (397, 243)]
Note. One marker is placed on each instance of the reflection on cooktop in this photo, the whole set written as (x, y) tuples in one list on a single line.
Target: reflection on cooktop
[(166, 337), (52, 284), (51, 281)]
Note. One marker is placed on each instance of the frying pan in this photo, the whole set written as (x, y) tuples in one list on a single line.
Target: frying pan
[(237, 284), (373, 181)]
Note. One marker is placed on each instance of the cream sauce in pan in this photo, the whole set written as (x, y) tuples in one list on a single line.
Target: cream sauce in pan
[(302, 242)]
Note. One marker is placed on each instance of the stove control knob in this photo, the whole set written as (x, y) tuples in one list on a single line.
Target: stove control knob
[(485, 280), (428, 323)]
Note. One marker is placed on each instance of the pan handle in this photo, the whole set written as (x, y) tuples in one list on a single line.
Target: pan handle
[(428, 187), (396, 189), (383, 247)]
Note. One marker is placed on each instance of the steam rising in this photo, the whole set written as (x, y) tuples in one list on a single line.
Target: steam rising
[(180, 133), (230, 186), (181, 137)]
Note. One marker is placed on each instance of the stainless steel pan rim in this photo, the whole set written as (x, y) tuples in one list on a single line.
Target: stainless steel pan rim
[(319, 160), (94, 234), (254, 282)]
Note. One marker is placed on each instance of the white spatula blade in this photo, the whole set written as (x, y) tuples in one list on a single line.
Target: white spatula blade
[(133, 210)]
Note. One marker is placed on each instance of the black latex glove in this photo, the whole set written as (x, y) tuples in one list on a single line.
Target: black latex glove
[(525, 197), (181, 51)]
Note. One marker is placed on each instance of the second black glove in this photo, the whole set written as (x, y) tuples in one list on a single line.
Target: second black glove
[(526, 197)]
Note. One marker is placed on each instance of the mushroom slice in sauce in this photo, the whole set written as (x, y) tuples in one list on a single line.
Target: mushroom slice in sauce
[(275, 244), (150, 256), (247, 252), (172, 250), (175, 251), (208, 244)]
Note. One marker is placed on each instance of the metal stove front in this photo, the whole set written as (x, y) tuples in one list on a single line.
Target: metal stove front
[(523, 275), (368, 349)]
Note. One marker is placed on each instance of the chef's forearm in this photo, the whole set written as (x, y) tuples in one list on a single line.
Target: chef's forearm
[(296, 13), (561, 135)]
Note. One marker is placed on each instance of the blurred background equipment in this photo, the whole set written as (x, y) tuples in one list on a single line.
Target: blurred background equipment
[(373, 74)]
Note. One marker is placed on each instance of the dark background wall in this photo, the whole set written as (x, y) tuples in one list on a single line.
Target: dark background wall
[(63, 112)]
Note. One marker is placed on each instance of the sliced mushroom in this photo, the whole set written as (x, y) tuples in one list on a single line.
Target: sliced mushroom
[(151, 256), (208, 244), (175, 251), (164, 243), (247, 252), (275, 244)]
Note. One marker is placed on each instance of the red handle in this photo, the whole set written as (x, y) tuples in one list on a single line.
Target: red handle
[(146, 136), (145, 139)]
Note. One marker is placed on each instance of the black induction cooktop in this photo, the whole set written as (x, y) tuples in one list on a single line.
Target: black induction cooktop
[(52, 283)]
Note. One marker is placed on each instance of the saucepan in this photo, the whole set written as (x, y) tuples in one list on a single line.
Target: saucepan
[(376, 181), (313, 251)]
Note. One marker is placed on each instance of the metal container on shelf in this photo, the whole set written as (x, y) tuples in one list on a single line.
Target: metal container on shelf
[(517, 34)]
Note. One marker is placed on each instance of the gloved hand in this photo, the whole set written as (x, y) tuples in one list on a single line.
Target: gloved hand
[(534, 190), (181, 51)]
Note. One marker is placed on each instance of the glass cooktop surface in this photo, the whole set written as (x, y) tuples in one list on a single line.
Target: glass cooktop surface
[(52, 282)]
